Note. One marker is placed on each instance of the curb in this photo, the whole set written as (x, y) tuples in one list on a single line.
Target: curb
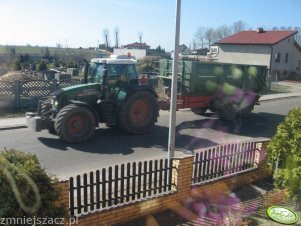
[(13, 127), (279, 98)]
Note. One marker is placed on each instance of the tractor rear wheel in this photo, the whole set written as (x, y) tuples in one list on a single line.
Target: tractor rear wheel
[(199, 111), (75, 124), (138, 113)]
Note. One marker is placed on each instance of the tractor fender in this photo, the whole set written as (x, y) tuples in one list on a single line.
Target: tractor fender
[(83, 104), (137, 89)]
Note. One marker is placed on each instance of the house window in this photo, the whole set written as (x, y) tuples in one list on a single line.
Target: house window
[(277, 57), (286, 57)]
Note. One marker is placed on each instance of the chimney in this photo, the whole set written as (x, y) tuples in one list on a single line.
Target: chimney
[(259, 30)]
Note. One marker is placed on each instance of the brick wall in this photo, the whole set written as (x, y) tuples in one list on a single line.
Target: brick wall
[(182, 177)]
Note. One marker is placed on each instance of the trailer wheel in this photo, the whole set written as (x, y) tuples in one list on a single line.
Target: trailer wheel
[(75, 124), (199, 111), (229, 112), (138, 113)]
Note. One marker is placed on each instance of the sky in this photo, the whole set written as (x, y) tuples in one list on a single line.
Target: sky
[(80, 23)]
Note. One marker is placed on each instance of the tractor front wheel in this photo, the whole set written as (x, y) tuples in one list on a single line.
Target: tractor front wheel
[(138, 113), (75, 124)]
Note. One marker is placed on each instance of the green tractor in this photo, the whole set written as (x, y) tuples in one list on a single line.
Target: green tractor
[(111, 94)]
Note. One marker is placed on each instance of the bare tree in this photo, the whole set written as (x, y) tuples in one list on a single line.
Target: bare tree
[(106, 37), (210, 36), (194, 44), (116, 31), (200, 36), (140, 35), (238, 26), (223, 32)]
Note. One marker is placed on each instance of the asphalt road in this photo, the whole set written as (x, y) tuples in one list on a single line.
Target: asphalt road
[(111, 146)]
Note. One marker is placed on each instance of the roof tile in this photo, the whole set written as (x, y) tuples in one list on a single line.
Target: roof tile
[(257, 38)]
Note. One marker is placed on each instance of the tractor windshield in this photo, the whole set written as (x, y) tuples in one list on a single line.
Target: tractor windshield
[(96, 72)]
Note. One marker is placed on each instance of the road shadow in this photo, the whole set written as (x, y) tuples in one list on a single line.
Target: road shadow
[(114, 141), (254, 125)]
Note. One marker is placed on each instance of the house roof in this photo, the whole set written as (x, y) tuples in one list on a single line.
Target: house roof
[(257, 37), (183, 48)]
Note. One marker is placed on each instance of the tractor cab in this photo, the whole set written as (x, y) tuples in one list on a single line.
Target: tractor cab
[(113, 72)]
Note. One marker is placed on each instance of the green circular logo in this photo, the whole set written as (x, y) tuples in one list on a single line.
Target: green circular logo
[(283, 215)]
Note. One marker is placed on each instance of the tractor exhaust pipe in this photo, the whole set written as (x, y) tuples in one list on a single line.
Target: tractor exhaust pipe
[(86, 72)]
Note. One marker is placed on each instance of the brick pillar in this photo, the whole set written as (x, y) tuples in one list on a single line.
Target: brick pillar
[(63, 186), (182, 176), (261, 158)]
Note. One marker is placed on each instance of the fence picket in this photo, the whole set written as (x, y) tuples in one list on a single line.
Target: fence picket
[(116, 185), (85, 193), (91, 190), (110, 181), (200, 165), (213, 162), (195, 168), (134, 181), (170, 175), (155, 177), (150, 174), (165, 175), (247, 147), (97, 189), (144, 178), (122, 178), (104, 193), (205, 165), (128, 181), (71, 192), (79, 201), (139, 179)]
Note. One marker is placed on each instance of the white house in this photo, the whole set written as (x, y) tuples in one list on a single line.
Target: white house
[(278, 50)]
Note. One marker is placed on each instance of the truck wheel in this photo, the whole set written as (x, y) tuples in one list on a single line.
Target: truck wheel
[(75, 124), (139, 113), (199, 111)]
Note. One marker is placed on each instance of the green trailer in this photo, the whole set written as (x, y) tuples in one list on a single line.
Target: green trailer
[(231, 90)]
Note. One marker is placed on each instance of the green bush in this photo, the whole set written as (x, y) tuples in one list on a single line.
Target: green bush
[(25, 188), (17, 65), (72, 64), (41, 66), (284, 154)]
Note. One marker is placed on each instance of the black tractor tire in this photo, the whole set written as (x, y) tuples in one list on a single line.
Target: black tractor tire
[(74, 124), (139, 113), (51, 129), (199, 111)]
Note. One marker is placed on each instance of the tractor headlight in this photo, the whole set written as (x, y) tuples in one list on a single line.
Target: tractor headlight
[(54, 103)]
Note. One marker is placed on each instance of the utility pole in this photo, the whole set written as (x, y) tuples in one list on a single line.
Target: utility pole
[(173, 103)]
